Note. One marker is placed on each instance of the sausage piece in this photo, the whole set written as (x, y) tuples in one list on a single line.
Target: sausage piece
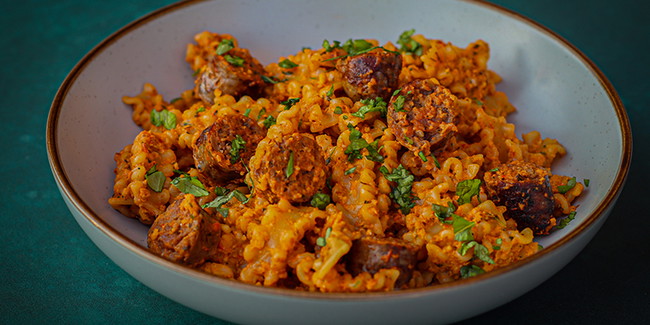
[(213, 150), (235, 73), (422, 116), (184, 233), (525, 190), (292, 168), (373, 254), (370, 75)]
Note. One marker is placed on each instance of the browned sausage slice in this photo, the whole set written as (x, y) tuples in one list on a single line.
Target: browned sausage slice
[(223, 148), (370, 75), (422, 116), (184, 233), (525, 190), (293, 168), (236, 73), (373, 254)]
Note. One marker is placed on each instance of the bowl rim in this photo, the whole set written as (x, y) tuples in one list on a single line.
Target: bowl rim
[(66, 189)]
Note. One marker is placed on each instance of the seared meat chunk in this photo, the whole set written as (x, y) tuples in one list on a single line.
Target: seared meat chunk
[(525, 190), (235, 73), (223, 148), (422, 116), (184, 233), (370, 75), (373, 254), (293, 168)]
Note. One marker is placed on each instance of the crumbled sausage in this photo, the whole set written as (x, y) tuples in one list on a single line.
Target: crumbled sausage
[(213, 150), (373, 254), (293, 168), (370, 75), (525, 190), (422, 116), (184, 233)]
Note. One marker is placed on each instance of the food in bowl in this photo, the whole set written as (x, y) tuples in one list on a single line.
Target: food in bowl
[(350, 168)]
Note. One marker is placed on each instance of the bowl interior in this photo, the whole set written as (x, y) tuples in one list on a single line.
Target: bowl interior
[(554, 89)]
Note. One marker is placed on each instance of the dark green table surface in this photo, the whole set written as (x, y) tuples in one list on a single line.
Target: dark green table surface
[(50, 272)]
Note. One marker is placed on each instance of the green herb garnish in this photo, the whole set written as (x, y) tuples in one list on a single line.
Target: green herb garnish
[(469, 271), (350, 171), (234, 60), (435, 161), (320, 200), (155, 179), (497, 245), (223, 197), (565, 221), (164, 118), (289, 169), (480, 251), (322, 241), (408, 44), (401, 194), (268, 121), (338, 110), (422, 156), (287, 64), (467, 189), (569, 185), (289, 103), (236, 146), (224, 46), (190, 185), (371, 105)]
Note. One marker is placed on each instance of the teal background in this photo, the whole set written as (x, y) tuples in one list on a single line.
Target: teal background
[(50, 272)]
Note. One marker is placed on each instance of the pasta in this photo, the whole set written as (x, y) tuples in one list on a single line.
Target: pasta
[(354, 167)]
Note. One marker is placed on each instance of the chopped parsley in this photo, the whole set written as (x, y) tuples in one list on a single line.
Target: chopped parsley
[(565, 221), (480, 251), (497, 245), (223, 197), (236, 146), (586, 182), (350, 171), (322, 241), (320, 200), (444, 212), (569, 185), (271, 80), (190, 185), (494, 169), (289, 103), (289, 169), (408, 44), (287, 64), (330, 92), (268, 121), (164, 118), (401, 194), (469, 271), (353, 48), (373, 152), (467, 189), (224, 46), (422, 156), (247, 112), (435, 160), (371, 105), (234, 60), (462, 228), (155, 179), (331, 47), (338, 110), (201, 109)]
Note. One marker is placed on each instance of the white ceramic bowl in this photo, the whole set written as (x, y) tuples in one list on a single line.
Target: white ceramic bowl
[(555, 87)]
